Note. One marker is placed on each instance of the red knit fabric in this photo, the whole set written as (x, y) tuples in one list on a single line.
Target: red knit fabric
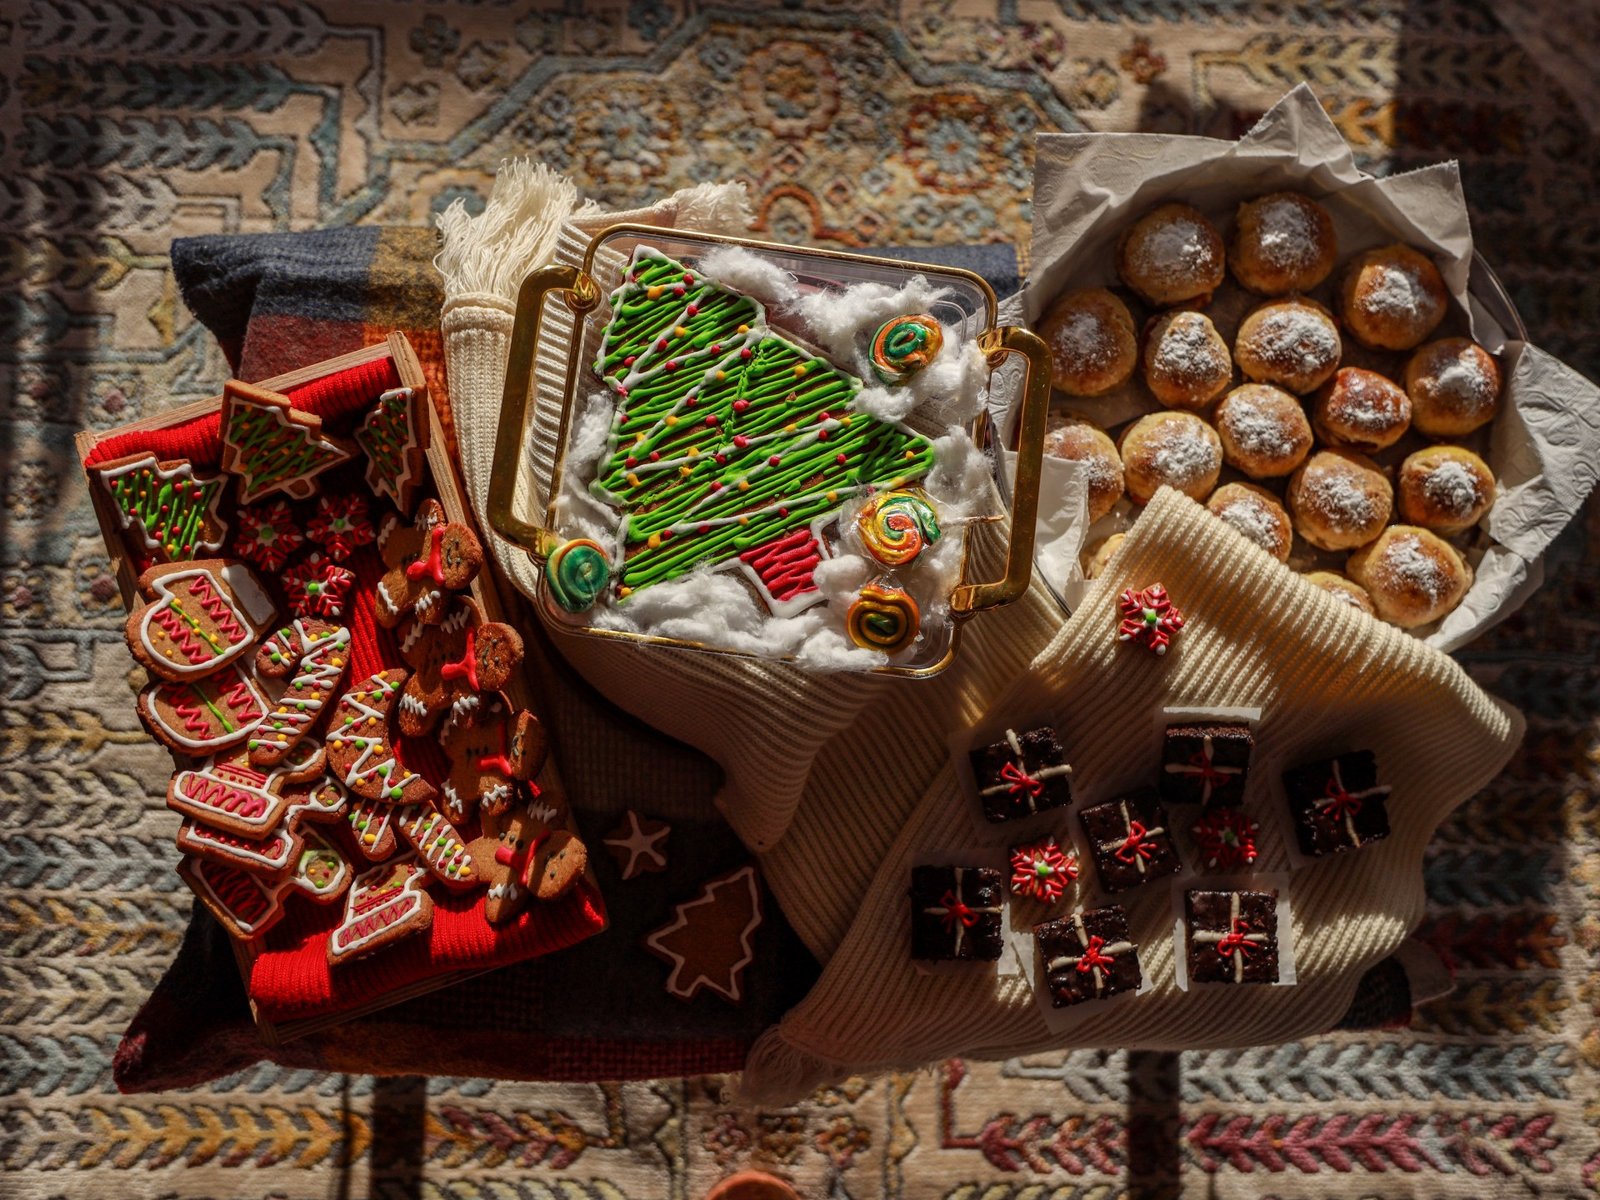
[(291, 977)]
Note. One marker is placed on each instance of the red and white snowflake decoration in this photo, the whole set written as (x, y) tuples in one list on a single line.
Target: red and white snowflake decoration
[(317, 587), (1227, 838), (1042, 870), (1149, 616), (341, 524), (267, 535)]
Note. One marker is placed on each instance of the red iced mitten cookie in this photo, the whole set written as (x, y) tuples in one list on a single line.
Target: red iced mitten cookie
[(709, 940), (426, 562), (267, 535), (317, 587), (197, 717), (321, 874), (360, 754), (171, 513), (458, 658), (271, 446), (394, 437), (341, 525), (314, 656), (385, 904), (245, 904), (491, 749), (637, 845), (439, 847), (199, 617), (271, 857)]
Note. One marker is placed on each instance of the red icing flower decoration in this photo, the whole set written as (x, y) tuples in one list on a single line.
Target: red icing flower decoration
[(267, 535), (341, 524), (1227, 838), (1042, 870), (1149, 616), (317, 587)]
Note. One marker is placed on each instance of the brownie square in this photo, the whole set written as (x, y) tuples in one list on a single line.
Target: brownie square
[(1130, 840), (1336, 804), (956, 913), (1088, 956), (1205, 763), (1232, 936), (1022, 774)]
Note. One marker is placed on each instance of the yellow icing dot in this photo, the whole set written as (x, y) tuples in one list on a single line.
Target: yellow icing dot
[(833, 497), (653, 292), (800, 369), (846, 420), (744, 329), (681, 331), (671, 420), (694, 451), (633, 480), (791, 428), (909, 454), (685, 471), (624, 591), (638, 439), (721, 375), (744, 520), (744, 485)]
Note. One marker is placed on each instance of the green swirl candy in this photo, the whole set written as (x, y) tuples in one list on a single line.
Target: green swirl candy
[(895, 527), (577, 573), (903, 346)]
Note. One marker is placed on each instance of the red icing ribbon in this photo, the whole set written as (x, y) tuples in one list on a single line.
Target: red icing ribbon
[(1207, 771), (467, 666), (1093, 958), (1338, 802), (1020, 780), (955, 910), (1236, 939), (433, 565), (1134, 845)]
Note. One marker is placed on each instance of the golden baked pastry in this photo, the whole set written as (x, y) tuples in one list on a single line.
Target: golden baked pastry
[(1282, 242), (1264, 431), (1351, 592), (1071, 437), (1175, 448), (1096, 557), (1339, 500), (1361, 410), (1454, 385), (1256, 513), (1445, 489), (1392, 297), (1093, 343), (1170, 255), (1186, 362), (1413, 576), (1293, 343)]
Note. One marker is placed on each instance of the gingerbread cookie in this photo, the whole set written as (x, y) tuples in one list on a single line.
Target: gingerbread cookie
[(245, 904), (314, 655), (197, 717), (272, 446), (637, 845), (229, 794), (321, 802), (527, 860), (491, 749), (317, 587), (709, 940), (385, 904), (172, 513), (459, 657), (342, 524), (394, 437), (374, 827), (267, 535), (271, 857), (198, 617), (320, 872), (360, 753), (439, 846), (426, 562)]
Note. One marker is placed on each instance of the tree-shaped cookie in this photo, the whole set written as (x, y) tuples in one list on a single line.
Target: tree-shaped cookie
[(726, 436), (461, 656), (427, 561), (171, 512), (273, 446), (491, 749), (394, 437)]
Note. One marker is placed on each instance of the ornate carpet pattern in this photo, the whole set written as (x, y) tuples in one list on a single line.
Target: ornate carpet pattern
[(126, 124)]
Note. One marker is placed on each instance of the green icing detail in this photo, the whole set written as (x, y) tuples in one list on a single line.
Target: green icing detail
[(577, 573), (172, 509), (692, 388)]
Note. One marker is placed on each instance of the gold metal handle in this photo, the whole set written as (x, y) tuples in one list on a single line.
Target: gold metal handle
[(515, 411), (996, 344)]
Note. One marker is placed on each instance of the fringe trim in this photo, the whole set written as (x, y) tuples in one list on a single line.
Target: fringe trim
[(778, 1074), (516, 232)]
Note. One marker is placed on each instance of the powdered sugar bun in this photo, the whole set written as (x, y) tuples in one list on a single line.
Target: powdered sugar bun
[(1339, 500), (1264, 431), (1170, 255), (1454, 385), (1392, 297), (1361, 410), (1093, 344), (1282, 242), (1445, 488), (1255, 513), (1348, 590), (1173, 448), (1076, 439), (1186, 362), (1413, 576), (1293, 343)]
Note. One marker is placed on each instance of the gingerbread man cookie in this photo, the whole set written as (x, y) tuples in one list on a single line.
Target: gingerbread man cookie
[(527, 860), (198, 717), (272, 446), (314, 655), (171, 512), (459, 657), (426, 563), (491, 749), (197, 617), (394, 437), (385, 904), (246, 904), (360, 753)]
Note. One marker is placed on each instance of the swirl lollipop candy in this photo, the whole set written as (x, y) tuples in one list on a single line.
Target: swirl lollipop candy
[(577, 573), (895, 527), (905, 345), (883, 618)]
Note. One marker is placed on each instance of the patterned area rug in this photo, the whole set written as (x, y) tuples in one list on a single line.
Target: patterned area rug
[(127, 124)]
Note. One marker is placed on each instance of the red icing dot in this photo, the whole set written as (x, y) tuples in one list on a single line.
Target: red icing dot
[(690, 402), (711, 419), (716, 485), (740, 405), (745, 353), (665, 534), (688, 278), (678, 291), (631, 461), (840, 459), (721, 458), (783, 512), (822, 435), (774, 461), (716, 347), (672, 364), (621, 391), (661, 344), (741, 441), (629, 361), (655, 456), (692, 310), (705, 529), (823, 415)]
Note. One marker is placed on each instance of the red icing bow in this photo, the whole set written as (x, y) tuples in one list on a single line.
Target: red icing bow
[(1207, 770), (1020, 780), (1236, 939), (1093, 957), (1149, 616), (1339, 802), (1134, 845), (955, 910)]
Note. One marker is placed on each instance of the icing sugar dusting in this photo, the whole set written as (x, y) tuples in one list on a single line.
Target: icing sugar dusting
[(1413, 569), (1083, 338), (1367, 401), (1297, 339), (1177, 244), (1077, 443), (1189, 348), (1258, 425), (1453, 486), (1287, 234), (1184, 454), (1338, 496), (1398, 290), (1251, 517), (1464, 376)]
